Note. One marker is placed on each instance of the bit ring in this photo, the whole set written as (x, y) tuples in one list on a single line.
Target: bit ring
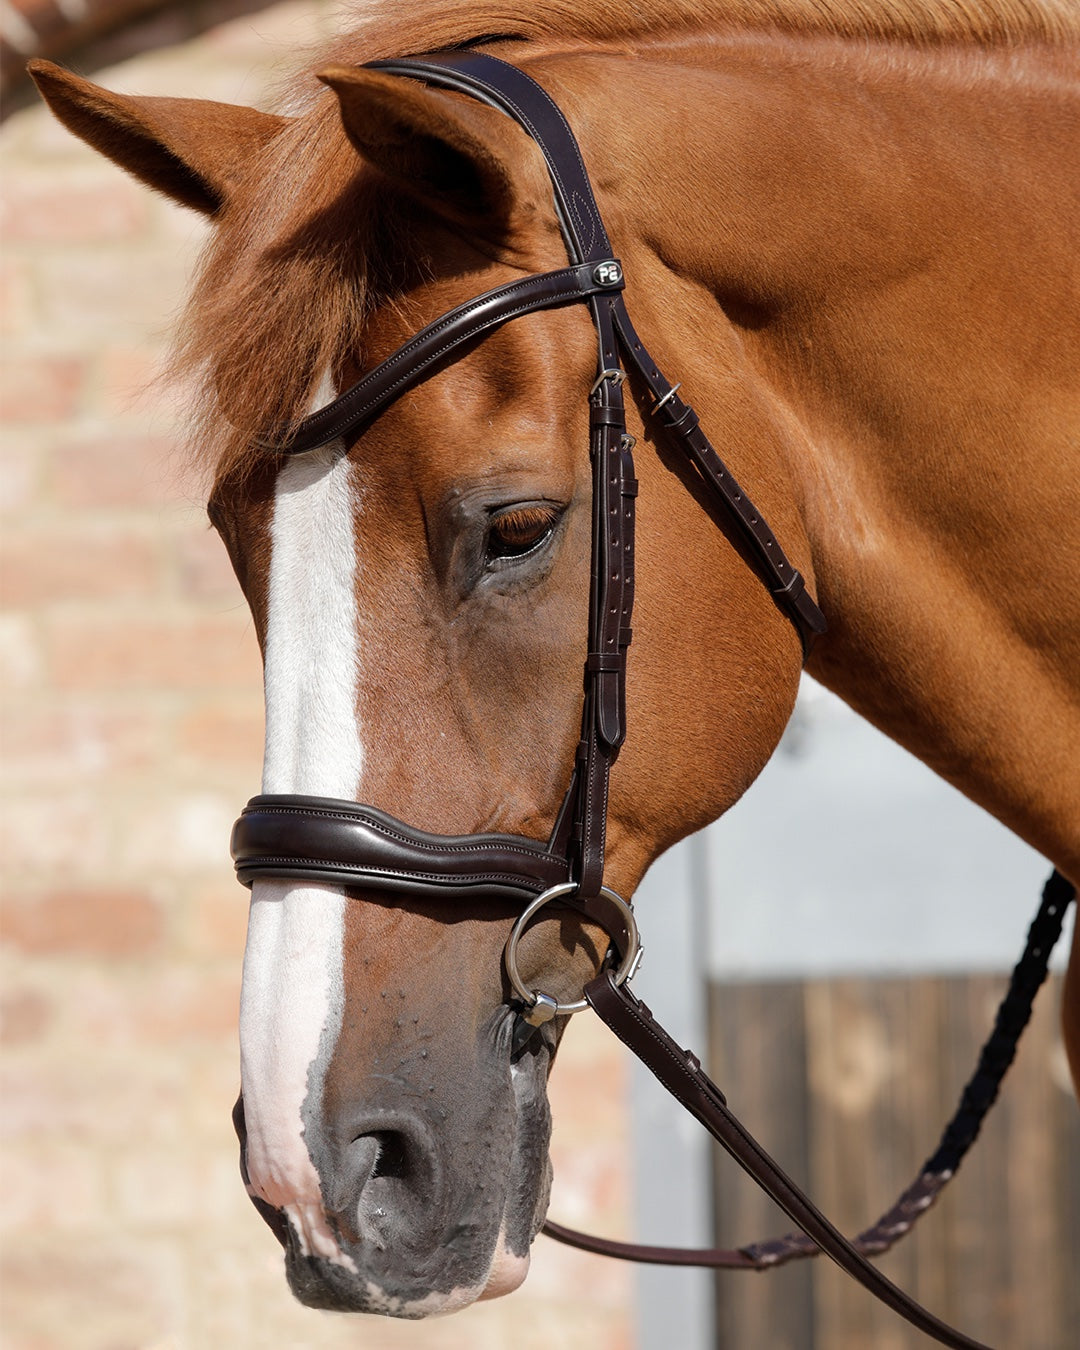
[(631, 958)]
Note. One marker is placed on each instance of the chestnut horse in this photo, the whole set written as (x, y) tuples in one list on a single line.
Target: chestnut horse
[(853, 234)]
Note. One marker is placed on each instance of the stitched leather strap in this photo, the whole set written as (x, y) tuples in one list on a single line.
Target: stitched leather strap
[(343, 843), (978, 1096), (416, 358), (518, 95), (611, 600), (759, 546)]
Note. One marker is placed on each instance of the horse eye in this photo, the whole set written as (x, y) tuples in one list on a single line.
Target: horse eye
[(519, 530)]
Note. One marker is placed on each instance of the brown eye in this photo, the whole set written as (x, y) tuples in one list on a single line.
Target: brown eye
[(519, 530)]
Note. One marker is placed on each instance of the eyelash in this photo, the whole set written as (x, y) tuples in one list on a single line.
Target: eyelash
[(517, 532)]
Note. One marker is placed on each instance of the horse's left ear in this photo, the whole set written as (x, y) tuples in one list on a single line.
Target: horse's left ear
[(451, 153), (192, 150)]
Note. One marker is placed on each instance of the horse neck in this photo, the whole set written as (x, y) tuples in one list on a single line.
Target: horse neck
[(874, 243)]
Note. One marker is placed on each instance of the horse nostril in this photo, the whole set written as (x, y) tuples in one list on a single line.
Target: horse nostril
[(392, 1157), (378, 1153), (373, 1190)]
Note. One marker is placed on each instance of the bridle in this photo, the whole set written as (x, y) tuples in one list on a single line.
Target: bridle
[(350, 844), (358, 846)]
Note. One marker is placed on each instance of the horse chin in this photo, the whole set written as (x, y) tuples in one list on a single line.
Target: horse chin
[(507, 1272), (338, 1286)]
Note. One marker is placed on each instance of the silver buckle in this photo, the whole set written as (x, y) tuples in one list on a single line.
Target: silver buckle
[(612, 373), (667, 397)]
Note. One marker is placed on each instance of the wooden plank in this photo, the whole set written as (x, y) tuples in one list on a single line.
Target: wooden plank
[(849, 1082), (758, 1058)]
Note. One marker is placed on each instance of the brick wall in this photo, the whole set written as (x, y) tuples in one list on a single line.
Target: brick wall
[(131, 734)]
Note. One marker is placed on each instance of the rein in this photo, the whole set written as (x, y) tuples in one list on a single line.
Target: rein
[(358, 846)]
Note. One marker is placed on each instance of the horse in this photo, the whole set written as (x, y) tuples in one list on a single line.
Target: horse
[(852, 230)]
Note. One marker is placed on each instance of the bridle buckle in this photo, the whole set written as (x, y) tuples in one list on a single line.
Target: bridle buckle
[(610, 373)]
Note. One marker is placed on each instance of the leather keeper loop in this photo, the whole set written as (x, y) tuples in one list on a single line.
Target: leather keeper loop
[(794, 588), (610, 708), (686, 421)]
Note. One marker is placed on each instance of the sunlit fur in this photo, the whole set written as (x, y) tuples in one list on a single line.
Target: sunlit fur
[(851, 230)]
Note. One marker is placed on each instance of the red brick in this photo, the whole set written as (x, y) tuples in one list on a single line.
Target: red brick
[(98, 1097), (216, 921), (110, 290), (131, 377), (20, 476), (16, 302), (21, 656), (203, 568), (121, 471), (25, 1016), (53, 742), (85, 921), (52, 834), (157, 1187), (56, 1187), (40, 566), (174, 1006), (103, 1293), (177, 832), (224, 733), (188, 651), (42, 388), (36, 211)]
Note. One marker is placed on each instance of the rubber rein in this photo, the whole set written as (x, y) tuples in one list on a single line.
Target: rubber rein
[(358, 846)]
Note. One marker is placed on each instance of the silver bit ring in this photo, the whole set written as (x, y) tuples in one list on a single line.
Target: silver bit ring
[(544, 1006)]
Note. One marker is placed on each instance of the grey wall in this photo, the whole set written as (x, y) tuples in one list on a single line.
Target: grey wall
[(849, 856)]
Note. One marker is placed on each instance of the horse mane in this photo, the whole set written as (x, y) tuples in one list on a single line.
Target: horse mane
[(432, 24), (291, 274)]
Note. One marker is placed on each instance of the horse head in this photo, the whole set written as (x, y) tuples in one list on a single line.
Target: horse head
[(421, 595)]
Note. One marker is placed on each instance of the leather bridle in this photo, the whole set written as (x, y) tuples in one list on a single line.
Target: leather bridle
[(356, 845), (359, 846)]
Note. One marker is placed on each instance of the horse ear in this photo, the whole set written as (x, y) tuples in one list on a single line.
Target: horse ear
[(453, 154), (192, 150)]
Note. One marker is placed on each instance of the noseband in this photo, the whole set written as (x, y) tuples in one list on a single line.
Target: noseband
[(357, 846)]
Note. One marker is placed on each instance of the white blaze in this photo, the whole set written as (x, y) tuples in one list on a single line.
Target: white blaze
[(293, 981)]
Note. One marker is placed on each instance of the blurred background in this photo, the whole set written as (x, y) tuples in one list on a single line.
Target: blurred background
[(842, 981)]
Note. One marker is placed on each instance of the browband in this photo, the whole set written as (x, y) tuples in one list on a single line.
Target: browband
[(425, 351)]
